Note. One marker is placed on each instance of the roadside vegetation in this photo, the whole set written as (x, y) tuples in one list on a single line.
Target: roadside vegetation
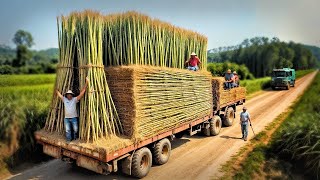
[(289, 147), (24, 103)]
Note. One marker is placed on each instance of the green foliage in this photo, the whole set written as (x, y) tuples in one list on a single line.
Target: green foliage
[(23, 38), (23, 56), (256, 84), (26, 80), (219, 69), (252, 163), (303, 72), (6, 69), (261, 55), (24, 103), (299, 136)]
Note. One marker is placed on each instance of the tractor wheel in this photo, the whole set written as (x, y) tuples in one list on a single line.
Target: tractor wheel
[(162, 151), (215, 125), (229, 117), (141, 162)]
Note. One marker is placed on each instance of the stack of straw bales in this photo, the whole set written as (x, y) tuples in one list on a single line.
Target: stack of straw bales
[(221, 96), (151, 100)]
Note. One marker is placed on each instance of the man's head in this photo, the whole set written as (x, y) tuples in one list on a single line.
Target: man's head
[(229, 71), (69, 94), (244, 109), (193, 54), (235, 72)]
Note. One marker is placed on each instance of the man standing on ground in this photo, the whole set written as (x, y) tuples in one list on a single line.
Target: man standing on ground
[(193, 62), (244, 122), (71, 114)]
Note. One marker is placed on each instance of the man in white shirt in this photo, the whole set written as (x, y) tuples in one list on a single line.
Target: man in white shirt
[(244, 122), (71, 114)]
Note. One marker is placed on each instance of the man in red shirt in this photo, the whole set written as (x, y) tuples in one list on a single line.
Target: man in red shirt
[(193, 62)]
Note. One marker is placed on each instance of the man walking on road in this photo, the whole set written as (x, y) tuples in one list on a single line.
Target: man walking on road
[(244, 122)]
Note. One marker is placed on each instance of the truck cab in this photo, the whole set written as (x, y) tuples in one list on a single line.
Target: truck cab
[(285, 77)]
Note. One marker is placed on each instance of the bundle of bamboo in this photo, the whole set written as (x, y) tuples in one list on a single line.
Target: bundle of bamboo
[(133, 38), (98, 116), (151, 100)]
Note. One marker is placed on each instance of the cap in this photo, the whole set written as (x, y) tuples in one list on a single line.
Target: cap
[(245, 108)]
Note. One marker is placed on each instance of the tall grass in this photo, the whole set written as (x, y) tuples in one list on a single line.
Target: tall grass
[(299, 136), (23, 110), (256, 84)]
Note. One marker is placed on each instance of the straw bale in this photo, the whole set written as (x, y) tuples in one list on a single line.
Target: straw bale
[(157, 99)]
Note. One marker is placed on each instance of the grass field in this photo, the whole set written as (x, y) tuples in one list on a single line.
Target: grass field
[(24, 103)]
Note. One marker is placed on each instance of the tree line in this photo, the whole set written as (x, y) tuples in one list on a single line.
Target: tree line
[(261, 55), (23, 60)]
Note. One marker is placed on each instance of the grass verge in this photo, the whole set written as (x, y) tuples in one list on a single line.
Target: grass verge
[(287, 148)]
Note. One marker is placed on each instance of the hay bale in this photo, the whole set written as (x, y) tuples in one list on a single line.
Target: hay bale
[(151, 100), (221, 96)]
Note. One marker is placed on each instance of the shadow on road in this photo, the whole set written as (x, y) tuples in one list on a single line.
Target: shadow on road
[(230, 137)]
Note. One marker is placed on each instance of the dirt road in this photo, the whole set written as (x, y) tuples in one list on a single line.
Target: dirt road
[(195, 157)]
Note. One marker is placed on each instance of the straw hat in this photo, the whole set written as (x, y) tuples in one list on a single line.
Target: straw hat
[(69, 92), (229, 71), (193, 54), (244, 108), (234, 72)]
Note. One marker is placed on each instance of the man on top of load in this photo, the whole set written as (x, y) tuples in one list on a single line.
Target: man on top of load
[(71, 114), (236, 79), (229, 79), (193, 62)]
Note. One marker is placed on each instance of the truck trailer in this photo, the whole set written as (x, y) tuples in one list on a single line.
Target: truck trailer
[(135, 158)]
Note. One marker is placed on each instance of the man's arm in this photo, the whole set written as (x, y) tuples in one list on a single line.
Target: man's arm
[(59, 95), (83, 90)]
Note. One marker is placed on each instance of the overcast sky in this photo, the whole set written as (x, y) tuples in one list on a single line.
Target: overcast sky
[(224, 22)]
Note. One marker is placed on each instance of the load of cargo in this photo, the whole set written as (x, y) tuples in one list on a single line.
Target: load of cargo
[(139, 91)]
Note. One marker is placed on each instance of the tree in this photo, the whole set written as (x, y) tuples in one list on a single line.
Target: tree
[(23, 38), (23, 41)]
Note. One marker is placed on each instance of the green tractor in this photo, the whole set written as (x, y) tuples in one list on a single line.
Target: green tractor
[(285, 77)]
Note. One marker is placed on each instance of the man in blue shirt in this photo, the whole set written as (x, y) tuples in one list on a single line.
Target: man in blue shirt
[(244, 122), (229, 79)]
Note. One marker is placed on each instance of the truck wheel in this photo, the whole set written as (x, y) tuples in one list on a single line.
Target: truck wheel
[(179, 134), (141, 162), (293, 83), (273, 87), (162, 151), (229, 117), (215, 125), (288, 87)]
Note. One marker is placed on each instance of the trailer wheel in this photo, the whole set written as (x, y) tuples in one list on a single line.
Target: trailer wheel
[(162, 151), (215, 125), (141, 162), (229, 117)]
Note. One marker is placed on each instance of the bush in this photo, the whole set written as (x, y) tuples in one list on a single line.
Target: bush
[(219, 69), (6, 69)]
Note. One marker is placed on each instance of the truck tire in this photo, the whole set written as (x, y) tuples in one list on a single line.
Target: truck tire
[(162, 151), (141, 162), (215, 125), (288, 87), (229, 117), (294, 82), (273, 87)]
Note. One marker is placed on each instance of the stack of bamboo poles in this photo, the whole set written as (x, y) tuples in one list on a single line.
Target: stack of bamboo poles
[(133, 38), (80, 44), (151, 100), (221, 96)]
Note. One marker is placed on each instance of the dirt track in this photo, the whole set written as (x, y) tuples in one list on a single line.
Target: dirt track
[(195, 157)]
